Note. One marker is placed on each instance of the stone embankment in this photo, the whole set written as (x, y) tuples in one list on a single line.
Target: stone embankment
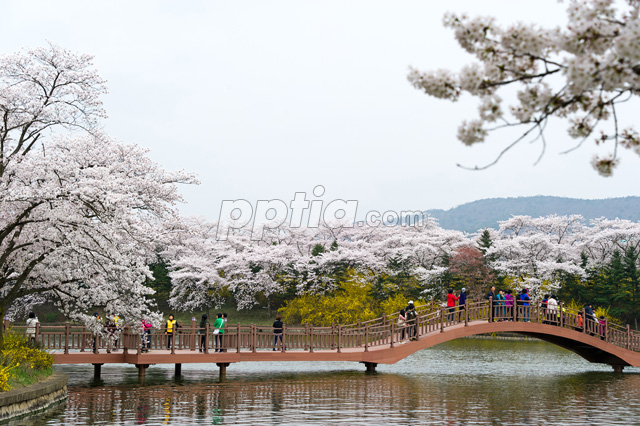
[(34, 398)]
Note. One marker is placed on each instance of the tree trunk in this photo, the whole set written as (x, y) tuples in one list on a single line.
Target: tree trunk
[(2, 330)]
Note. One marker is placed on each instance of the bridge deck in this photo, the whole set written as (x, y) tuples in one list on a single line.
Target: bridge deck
[(591, 347)]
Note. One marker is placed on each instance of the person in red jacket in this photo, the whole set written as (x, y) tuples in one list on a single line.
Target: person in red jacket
[(451, 304)]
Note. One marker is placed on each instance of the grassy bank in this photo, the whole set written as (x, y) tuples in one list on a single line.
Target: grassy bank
[(24, 377), (246, 316)]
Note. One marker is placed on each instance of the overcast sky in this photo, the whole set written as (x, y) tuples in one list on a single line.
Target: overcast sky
[(265, 99)]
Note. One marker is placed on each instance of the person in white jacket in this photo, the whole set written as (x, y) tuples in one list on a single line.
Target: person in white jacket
[(552, 309), (32, 321)]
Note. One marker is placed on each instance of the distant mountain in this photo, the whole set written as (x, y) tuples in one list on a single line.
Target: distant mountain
[(471, 217)]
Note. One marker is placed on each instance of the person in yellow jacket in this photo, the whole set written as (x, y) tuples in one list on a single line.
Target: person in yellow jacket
[(170, 330)]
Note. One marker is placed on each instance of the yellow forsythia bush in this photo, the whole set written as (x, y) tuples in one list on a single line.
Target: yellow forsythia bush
[(18, 353), (5, 375), (347, 305)]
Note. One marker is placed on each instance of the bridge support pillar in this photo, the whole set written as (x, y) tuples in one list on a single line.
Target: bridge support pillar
[(142, 370), (178, 370), (370, 366), (617, 368), (223, 370), (97, 368)]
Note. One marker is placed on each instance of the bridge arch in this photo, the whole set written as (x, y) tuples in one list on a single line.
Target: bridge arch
[(591, 348)]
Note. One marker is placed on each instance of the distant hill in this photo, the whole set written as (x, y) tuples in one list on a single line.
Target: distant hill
[(481, 214)]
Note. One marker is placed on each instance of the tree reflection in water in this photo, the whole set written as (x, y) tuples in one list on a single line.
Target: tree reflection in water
[(456, 383)]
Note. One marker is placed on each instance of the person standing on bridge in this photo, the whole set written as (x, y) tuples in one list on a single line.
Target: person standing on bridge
[(146, 335), (552, 310), (462, 303), (501, 305), (170, 329), (525, 299), (202, 330), (589, 316), (32, 321), (508, 303), (278, 328), (218, 332), (402, 324), (451, 304), (491, 297), (543, 308), (412, 321)]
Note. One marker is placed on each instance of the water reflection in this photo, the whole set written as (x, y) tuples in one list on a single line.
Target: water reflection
[(463, 382)]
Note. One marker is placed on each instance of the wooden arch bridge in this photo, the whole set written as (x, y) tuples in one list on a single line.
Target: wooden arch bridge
[(378, 341)]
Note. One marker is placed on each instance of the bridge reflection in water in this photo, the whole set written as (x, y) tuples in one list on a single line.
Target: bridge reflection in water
[(430, 389), (371, 342)]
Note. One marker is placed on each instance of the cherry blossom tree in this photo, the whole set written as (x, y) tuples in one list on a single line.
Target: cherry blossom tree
[(535, 249), (80, 214), (582, 74)]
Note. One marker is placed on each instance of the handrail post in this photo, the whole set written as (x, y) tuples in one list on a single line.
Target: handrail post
[(311, 338), (393, 332), (561, 313), (515, 309), (366, 338), (6, 323), (466, 315), (125, 339), (282, 337), (174, 336), (490, 309), (306, 336), (584, 320), (339, 337), (193, 335), (141, 339), (37, 331), (66, 337), (206, 338), (238, 339), (333, 333), (83, 339), (441, 320), (628, 337), (254, 338), (359, 337), (606, 330)]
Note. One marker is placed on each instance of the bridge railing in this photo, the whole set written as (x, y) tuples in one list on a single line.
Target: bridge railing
[(383, 331)]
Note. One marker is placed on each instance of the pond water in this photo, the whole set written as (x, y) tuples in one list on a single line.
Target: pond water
[(463, 382)]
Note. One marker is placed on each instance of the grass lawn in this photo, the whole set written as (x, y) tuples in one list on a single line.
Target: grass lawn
[(24, 377), (254, 316)]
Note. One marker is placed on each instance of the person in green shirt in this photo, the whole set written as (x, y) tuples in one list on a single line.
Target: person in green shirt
[(218, 331)]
